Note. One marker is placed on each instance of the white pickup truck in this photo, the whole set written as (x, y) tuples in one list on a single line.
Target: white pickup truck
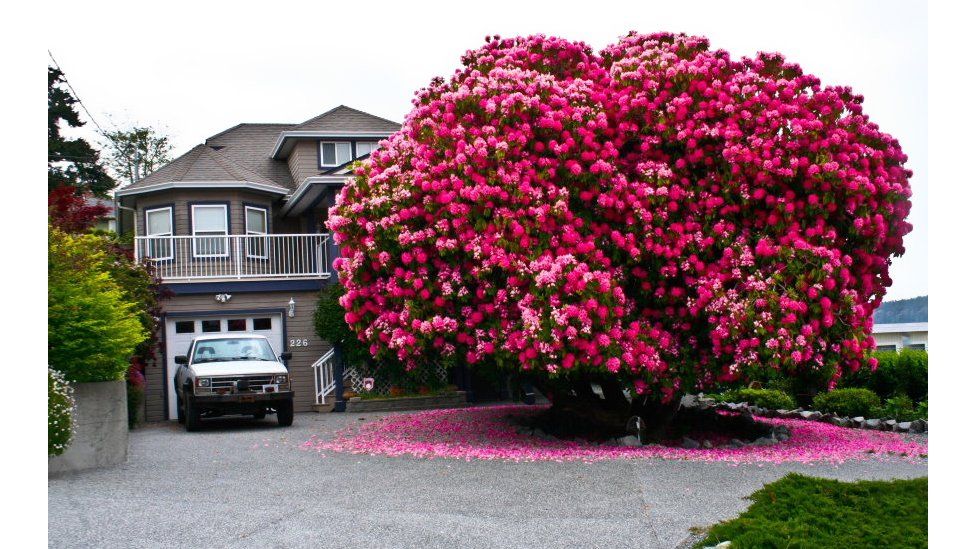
[(232, 374)]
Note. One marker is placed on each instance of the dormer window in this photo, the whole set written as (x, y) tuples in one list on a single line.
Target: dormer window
[(365, 147), (334, 153)]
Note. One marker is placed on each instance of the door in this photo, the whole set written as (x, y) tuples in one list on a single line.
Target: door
[(180, 332)]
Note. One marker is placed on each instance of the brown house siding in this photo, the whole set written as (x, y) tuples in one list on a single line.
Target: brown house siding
[(301, 326), (181, 199), (303, 161)]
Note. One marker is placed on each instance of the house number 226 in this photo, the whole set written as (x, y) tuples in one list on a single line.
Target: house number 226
[(298, 342)]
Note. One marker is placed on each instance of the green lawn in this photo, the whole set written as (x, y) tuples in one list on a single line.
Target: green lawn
[(803, 512)]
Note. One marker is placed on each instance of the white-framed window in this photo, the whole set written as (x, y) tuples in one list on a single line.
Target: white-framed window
[(209, 225), (159, 227), (366, 147), (256, 229), (334, 153)]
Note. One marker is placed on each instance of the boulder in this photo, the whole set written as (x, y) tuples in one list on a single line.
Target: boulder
[(858, 422), (736, 443), (782, 413), (840, 421), (811, 415), (723, 545), (889, 425), (707, 444), (629, 440), (919, 426), (689, 443), (872, 424), (904, 426), (764, 441)]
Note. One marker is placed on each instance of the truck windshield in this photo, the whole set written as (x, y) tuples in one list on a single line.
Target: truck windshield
[(218, 350)]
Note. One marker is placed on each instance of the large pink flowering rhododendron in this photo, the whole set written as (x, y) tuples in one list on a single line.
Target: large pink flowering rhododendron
[(659, 211)]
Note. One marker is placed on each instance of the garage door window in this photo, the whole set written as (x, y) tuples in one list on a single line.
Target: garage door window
[(262, 323), (210, 326), (185, 327), (237, 325)]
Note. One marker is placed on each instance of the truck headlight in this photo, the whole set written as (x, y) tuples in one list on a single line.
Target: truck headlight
[(281, 380), (203, 382)]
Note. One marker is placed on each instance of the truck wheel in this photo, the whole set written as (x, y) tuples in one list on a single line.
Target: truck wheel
[(192, 416), (180, 413), (286, 414)]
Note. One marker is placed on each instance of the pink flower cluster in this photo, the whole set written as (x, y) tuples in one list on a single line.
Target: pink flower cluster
[(659, 210), (490, 433)]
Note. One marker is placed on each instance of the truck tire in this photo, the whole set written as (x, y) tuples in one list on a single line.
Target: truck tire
[(285, 413), (192, 416), (180, 413)]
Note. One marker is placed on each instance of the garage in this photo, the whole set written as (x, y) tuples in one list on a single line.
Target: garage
[(180, 331)]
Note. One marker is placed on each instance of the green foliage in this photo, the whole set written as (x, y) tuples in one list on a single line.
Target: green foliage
[(901, 408), (801, 512), (136, 152), (330, 325), (136, 396), (93, 326), (764, 398), (59, 407), (847, 402), (905, 373), (70, 162)]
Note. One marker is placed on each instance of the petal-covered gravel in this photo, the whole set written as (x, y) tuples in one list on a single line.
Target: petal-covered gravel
[(490, 433)]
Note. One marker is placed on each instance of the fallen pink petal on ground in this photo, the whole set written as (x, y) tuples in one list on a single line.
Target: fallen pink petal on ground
[(490, 433)]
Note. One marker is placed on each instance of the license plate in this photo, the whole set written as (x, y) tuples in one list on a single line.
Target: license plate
[(247, 398), (270, 388)]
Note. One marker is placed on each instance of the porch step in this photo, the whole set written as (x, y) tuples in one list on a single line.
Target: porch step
[(328, 406)]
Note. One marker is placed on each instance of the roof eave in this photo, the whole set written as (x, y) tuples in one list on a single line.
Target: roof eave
[(263, 187), (282, 145)]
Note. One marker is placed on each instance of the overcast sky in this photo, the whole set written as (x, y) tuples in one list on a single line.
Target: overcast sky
[(195, 69)]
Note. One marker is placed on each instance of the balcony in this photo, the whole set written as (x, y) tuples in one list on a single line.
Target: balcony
[(236, 257)]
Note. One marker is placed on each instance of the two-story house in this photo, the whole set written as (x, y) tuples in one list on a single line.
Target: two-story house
[(235, 228)]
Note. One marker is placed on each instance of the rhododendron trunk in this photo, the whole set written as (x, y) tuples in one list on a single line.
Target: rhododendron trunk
[(657, 212)]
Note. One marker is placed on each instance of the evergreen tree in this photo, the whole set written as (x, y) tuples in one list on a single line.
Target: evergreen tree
[(70, 162)]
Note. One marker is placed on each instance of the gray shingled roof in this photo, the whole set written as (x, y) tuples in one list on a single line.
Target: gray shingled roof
[(202, 163), (240, 153), (343, 118)]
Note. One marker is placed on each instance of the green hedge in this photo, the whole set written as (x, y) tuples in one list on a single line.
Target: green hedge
[(850, 402), (905, 373), (764, 398), (59, 408), (93, 329)]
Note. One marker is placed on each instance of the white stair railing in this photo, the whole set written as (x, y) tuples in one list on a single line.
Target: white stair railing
[(323, 370)]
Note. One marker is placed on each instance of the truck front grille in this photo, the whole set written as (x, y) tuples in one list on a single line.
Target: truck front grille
[(240, 384)]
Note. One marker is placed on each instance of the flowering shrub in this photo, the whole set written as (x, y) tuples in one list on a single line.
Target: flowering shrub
[(659, 212), (59, 406)]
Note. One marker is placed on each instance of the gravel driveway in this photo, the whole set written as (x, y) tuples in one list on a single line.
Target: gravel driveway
[(245, 483)]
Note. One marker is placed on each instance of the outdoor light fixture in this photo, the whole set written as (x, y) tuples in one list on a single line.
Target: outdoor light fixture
[(291, 307), (222, 298)]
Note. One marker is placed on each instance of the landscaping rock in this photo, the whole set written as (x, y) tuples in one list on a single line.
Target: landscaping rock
[(736, 443), (919, 426), (707, 444), (858, 422), (872, 424), (840, 421), (904, 427), (889, 425), (723, 545), (689, 443), (689, 401), (629, 440), (764, 441), (782, 413), (811, 415)]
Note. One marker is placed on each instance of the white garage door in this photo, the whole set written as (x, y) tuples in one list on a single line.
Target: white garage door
[(180, 331)]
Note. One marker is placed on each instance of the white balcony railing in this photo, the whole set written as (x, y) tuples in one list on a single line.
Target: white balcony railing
[(236, 256)]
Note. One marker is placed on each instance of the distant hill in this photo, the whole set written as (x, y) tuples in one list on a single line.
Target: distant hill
[(915, 309)]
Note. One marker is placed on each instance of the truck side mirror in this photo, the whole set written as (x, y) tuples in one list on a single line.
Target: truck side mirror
[(181, 359), (286, 355)]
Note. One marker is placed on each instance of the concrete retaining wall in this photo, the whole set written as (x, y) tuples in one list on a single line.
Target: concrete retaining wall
[(452, 400), (101, 423)]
